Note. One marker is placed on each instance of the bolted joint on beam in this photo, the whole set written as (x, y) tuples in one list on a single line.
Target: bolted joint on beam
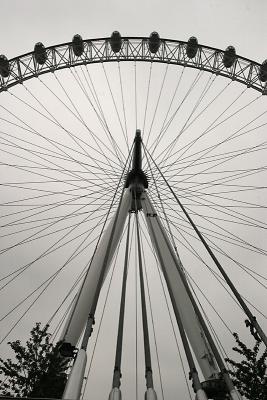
[(149, 378), (116, 378), (67, 350)]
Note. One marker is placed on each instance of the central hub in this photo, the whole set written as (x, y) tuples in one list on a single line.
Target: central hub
[(136, 179)]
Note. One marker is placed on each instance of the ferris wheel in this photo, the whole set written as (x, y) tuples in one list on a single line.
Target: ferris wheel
[(133, 183)]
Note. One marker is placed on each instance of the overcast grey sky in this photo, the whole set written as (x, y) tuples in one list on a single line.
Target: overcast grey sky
[(242, 23), (216, 23)]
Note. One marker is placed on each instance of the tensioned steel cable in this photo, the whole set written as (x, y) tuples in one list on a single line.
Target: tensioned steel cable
[(254, 148), (248, 270), (61, 321), (53, 223), (114, 103), (52, 120), (96, 97), (92, 183), (147, 97), (74, 254), (200, 199), (158, 137), (237, 240), (94, 136), (67, 172), (229, 175), (23, 202), (118, 153), (214, 234), (187, 121), (60, 157), (208, 301), (52, 142), (211, 102), (51, 205), (135, 96), (240, 217), (212, 157), (123, 106), (45, 222), (75, 284), (195, 81), (211, 125), (205, 132), (215, 335), (157, 104), (218, 277), (97, 101), (34, 236), (48, 251), (229, 237)]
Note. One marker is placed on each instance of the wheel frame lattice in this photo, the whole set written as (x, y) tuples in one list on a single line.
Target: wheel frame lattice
[(62, 56)]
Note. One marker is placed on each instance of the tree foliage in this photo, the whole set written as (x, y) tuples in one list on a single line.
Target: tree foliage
[(38, 370), (249, 375)]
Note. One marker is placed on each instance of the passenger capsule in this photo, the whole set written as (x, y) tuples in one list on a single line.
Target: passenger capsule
[(115, 41), (229, 57), (77, 45), (263, 71), (191, 47), (4, 66), (154, 42), (40, 54)]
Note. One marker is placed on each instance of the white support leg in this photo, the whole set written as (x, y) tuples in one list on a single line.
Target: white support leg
[(235, 395), (150, 394), (201, 395), (82, 306), (75, 382), (171, 264), (115, 394)]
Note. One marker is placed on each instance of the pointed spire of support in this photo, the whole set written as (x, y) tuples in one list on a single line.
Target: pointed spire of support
[(136, 179)]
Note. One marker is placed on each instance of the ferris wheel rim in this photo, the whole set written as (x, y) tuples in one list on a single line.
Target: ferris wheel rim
[(133, 48)]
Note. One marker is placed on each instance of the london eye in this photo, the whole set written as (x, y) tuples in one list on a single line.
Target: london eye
[(133, 210)]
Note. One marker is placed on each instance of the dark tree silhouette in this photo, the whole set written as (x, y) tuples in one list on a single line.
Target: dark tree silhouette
[(249, 375), (38, 370)]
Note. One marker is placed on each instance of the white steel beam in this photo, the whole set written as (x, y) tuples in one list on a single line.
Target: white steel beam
[(84, 299), (75, 381), (173, 268)]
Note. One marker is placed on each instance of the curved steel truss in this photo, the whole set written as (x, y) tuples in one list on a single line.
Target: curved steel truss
[(133, 48)]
